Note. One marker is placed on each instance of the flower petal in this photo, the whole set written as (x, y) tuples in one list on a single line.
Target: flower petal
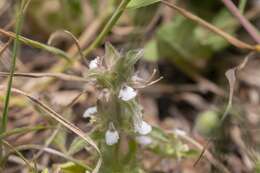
[(111, 137), (90, 111), (94, 63), (143, 128), (144, 140), (127, 93)]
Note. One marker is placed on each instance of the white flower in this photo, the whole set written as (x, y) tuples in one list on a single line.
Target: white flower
[(94, 63), (144, 140), (127, 93), (111, 137), (179, 132), (90, 111), (142, 127)]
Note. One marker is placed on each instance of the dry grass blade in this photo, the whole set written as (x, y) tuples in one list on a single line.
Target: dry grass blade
[(36, 44), (61, 120), (18, 153), (57, 33), (203, 149), (231, 76), (4, 54), (5, 46), (232, 40), (54, 75), (53, 152)]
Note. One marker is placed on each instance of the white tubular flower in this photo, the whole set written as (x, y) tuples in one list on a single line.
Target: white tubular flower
[(90, 111), (94, 63), (111, 135), (144, 140), (142, 127), (127, 93)]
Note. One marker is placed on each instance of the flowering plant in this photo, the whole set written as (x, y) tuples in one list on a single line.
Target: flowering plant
[(117, 114)]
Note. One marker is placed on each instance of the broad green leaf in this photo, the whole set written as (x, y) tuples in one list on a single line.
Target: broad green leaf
[(179, 41), (141, 3), (150, 51)]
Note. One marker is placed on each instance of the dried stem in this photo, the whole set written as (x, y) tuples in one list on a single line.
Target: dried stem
[(232, 40), (243, 21)]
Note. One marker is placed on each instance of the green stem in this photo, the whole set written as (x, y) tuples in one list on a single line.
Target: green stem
[(116, 15), (242, 5), (10, 81)]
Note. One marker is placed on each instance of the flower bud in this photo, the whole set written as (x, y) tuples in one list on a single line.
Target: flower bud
[(111, 135)]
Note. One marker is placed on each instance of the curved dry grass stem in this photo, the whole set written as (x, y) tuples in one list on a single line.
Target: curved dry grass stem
[(18, 153), (232, 40), (42, 75), (37, 44), (75, 40), (53, 152), (63, 121), (5, 46)]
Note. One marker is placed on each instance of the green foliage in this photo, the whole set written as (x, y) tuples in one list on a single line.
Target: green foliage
[(141, 3), (150, 51), (169, 145), (187, 44), (207, 123), (71, 167), (257, 167), (50, 15)]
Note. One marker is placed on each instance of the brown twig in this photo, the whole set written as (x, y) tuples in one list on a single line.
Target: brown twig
[(232, 40), (54, 75), (243, 21)]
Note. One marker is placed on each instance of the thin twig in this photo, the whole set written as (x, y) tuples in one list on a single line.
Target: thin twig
[(37, 44), (53, 75), (232, 40), (243, 21), (63, 121)]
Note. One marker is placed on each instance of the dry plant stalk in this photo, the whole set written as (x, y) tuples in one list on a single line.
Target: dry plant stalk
[(61, 120), (232, 40)]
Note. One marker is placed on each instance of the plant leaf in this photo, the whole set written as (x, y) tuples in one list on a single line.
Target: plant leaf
[(141, 3)]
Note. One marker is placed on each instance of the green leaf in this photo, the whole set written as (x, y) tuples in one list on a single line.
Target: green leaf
[(71, 167), (60, 140), (77, 145), (179, 41), (223, 20), (141, 3), (150, 51)]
